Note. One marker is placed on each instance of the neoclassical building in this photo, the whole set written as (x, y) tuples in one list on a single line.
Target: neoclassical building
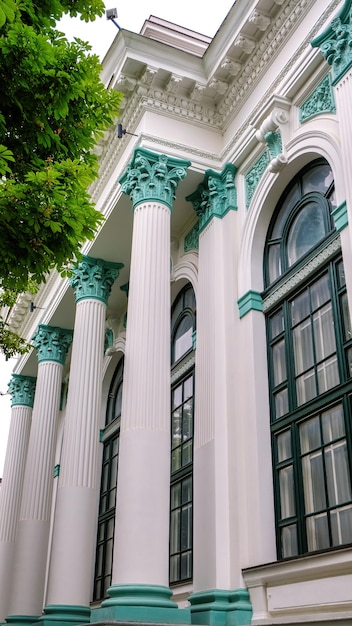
[(180, 446)]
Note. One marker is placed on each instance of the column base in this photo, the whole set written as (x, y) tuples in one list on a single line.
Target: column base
[(140, 603), (217, 607), (64, 615), (21, 620)]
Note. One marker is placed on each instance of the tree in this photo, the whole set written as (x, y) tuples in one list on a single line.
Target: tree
[(53, 109)]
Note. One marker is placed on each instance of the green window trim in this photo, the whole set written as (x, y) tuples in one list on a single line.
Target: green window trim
[(250, 301)]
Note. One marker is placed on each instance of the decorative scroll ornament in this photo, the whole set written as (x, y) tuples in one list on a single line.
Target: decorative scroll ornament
[(254, 175), (93, 278), (335, 42), (321, 100), (22, 390), (52, 343), (191, 241), (215, 196), (152, 177)]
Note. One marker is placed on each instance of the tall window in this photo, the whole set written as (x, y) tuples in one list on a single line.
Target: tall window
[(182, 411), (107, 505), (310, 366)]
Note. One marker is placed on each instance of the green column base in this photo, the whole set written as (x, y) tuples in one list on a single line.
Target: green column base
[(21, 620), (217, 607), (64, 615), (140, 603)]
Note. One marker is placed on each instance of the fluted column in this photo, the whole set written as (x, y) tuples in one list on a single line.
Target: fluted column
[(22, 390), (140, 568), (27, 591), (218, 593), (72, 558)]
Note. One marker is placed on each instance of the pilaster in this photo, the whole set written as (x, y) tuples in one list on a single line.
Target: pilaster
[(72, 557), (27, 588), (22, 390), (140, 567)]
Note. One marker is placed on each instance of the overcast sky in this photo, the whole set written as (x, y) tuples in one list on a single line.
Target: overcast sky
[(202, 17)]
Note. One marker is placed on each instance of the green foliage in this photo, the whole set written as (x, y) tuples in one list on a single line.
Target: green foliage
[(53, 109)]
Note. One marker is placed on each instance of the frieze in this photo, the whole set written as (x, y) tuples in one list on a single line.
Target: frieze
[(254, 175), (321, 100), (191, 240)]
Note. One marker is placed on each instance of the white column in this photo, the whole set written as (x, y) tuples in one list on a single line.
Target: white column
[(217, 579), (33, 527), (22, 391), (73, 546), (140, 567)]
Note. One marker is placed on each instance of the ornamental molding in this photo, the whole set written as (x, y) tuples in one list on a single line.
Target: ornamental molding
[(191, 240), (307, 270), (93, 279), (22, 389), (320, 100), (52, 343), (182, 368), (252, 178), (153, 177), (215, 196), (335, 42)]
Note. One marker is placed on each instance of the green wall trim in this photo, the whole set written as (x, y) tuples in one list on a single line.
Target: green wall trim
[(57, 470), (64, 615), (335, 42), (153, 177), (140, 603), (22, 389), (250, 301), (254, 175), (219, 607), (93, 278), (215, 196), (320, 100), (52, 343), (340, 216)]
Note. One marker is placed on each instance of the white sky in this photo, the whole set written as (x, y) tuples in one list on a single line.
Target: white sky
[(198, 15)]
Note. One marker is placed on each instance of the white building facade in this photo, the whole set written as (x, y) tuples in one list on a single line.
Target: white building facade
[(180, 448)]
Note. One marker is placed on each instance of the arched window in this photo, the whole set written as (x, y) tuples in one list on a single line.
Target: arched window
[(107, 504), (182, 412), (310, 365)]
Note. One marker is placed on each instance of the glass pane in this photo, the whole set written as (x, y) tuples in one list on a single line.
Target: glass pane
[(300, 308), (347, 329), (176, 428), (328, 374), (333, 424), (187, 429), (174, 567), (308, 228), (279, 362), (317, 179), (189, 299), (320, 292), (284, 450), (187, 490), (281, 403), (313, 482), (175, 531), (113, 473), (186, 565), (305, 387), (108, 557), (286, 492), (118, 402), (176, 459), (292, 197), (341, 274), (349, 362), (274, 262), (289, 541), (309, 434), (317, 532), (110, 528), (177, 397), (183, 337), (303, 347), (176, 495), (186, 527), (324, 335), (188, 388), (337, 474), (277, 324), (341, 526), (112, 498), (187, 452)]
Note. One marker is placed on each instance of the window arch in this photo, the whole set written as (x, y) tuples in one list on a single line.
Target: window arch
[(107, 503), (182, 413), (309, 337)]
